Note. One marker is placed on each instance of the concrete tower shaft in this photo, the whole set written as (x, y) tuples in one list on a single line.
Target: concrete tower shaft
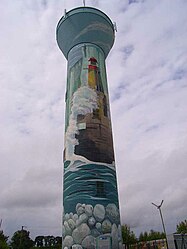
[(90, 198), (85, 25)]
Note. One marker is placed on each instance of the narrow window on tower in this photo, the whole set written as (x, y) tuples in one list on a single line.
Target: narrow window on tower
[(100, 190), (96, 113), (99, 83), (105, 106)]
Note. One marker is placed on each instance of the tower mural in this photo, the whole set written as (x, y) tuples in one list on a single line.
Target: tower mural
[(91, 216)]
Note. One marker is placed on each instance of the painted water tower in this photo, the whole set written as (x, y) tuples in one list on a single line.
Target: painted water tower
[(91, 216)]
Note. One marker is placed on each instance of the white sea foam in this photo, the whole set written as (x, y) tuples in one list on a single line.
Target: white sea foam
[(80, 161), (84, 101)]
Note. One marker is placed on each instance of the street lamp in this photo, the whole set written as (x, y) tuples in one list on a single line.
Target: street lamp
[(159, 208)]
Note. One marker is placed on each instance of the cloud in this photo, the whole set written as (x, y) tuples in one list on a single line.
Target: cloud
[(37, 189), (147, 70)]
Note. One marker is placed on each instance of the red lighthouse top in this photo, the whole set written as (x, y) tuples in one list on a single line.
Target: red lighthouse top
[(93, 62)]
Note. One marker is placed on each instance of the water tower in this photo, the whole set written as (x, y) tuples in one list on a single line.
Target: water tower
[(91, 217)]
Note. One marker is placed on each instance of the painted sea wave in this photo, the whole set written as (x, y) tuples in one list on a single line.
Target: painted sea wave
[(90, 184)]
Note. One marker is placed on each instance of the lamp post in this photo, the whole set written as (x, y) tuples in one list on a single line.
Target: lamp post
[(159, 208)]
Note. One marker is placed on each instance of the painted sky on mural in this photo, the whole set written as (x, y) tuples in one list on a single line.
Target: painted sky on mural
[(147, 76)]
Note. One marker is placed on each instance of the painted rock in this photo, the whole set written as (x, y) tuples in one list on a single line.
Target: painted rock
[(76, 247), (99, 212), (80, 210), (82, 219), (71, 215), (95, 233), (71, 224), (91, 221), (63, 231), (98, 226), (89, 210), (78, 206), (112, 212), (75, 217), (68, 241), (68, 230), (80, 233), (66, 217), (89, 242), (106, 226), (119, 232), (114, 234)]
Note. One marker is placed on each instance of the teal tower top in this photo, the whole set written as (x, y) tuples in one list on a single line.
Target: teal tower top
[(85, 25)]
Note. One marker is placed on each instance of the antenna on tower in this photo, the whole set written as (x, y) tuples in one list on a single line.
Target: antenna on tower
[(64, 13), (84, 2)]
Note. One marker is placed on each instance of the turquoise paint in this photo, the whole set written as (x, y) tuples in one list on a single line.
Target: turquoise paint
[(87, 25)]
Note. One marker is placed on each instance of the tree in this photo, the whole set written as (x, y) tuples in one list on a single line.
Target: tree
[(21, 240), (152, 235), (128, 236), (182, 227), (58, 242), (48, 242), (143, 237), (39, 241), (3, 241)]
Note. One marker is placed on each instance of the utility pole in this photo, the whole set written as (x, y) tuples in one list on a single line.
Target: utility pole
[(159, 208)]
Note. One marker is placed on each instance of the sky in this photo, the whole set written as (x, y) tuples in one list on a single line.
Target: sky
[(147, 78)]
